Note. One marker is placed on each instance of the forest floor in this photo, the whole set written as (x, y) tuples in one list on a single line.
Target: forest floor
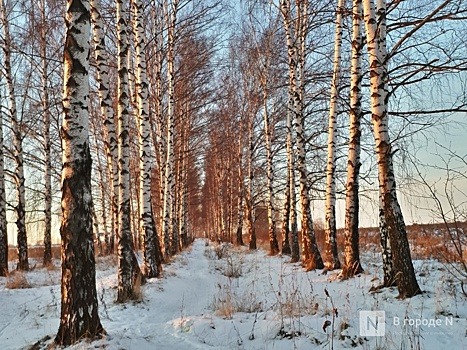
[(220, 297)]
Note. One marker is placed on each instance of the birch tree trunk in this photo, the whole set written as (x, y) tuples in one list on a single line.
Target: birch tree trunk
[(151, 253), (79, 315), (249, 200), (127, 270), (331, 254), (296, 59), (289, 227), (389, 278), (169, 186), (286, 250), (376, 38), (3, 222), (103, 62), (293, 216), (352, 265), (23, 262), (46, 134), (273, 243), (241, 190)]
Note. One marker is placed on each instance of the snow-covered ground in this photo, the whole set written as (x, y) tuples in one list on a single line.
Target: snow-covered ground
[(217, 297)]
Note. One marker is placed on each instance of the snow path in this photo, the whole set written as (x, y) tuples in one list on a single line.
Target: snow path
[(186, 292)]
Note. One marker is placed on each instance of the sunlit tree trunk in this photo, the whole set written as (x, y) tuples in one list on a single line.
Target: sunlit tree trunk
[(241, 191), (273, 243), (127, 269), (389, 279), (376, 37), (289, 226), (296, 59), (352, 265), (169, 186), (152, 265), (47, 260), (103, 63), (23, 262), (103, 246), (249, 195), (331, 254), (293, 216), (3, 222), (79, 315), (183, 216)]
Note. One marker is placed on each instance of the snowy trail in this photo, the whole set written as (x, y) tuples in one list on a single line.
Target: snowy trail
[(168, 303)]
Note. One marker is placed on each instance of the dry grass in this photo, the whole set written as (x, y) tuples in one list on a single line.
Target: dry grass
[(17, 280), (428, 241), (229, 300), (34, 252)]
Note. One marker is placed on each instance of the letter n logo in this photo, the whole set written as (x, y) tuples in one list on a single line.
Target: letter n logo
[(372, 323)]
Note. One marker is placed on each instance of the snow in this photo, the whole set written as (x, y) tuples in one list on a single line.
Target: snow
[(244, 300)]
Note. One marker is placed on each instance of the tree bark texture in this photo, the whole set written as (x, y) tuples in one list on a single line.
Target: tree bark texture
[(79, 315), (352, 265), (103, 62), (3, 222), (331, 255), (152, 264), (18, 176), (376, 38), (128, 270)]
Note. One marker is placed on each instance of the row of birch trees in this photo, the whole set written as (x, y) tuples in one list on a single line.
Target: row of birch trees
[(166, 133), (286, 84), (163, 114), (129, 138)]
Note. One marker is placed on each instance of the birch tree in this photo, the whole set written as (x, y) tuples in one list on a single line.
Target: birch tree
[(352, 265), (296, 48), (79, 316), (289, 219), (241, 192), (103, 61), (3, 222), (151, 248), (17, 153), (331, 254), (249, 191), (46, 134), (128, 270), (376, 38), (263, 66), (169, 185)]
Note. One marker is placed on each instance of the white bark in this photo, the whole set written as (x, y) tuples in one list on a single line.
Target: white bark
[(273, 243), (126, 268), (152, 265), (249, 194), (352, 264), (23, 263), (296, 58), (3, 222), (169, 186), (79, 315), (376, 39), (103, 61), (46, 134), (331, 255)]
